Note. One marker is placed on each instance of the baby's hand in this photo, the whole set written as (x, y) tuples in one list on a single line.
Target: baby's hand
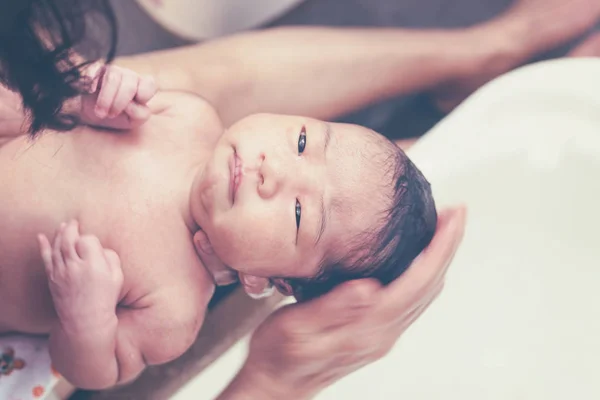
[(85, 279), (118, 98)]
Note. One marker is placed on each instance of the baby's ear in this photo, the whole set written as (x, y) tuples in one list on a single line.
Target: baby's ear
[(283, 286)]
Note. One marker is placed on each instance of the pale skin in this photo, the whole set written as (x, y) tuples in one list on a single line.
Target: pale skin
[(85, 149), (66, 176), (134, 293), (364, 65), (324, 72)]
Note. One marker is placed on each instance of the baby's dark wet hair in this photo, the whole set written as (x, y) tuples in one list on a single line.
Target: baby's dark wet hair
[(38, 39), (386, 250)]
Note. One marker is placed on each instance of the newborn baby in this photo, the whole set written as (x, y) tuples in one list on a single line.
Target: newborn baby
[(311, 204), (304, 203)]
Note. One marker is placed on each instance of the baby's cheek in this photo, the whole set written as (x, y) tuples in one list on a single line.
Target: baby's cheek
[(261, 255), (253, 239), (234, 244)]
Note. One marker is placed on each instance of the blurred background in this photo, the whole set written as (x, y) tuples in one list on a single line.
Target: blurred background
[(146, 25)]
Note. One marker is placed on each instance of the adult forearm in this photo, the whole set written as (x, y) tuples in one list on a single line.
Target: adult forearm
[(326, 72), (313, 71)]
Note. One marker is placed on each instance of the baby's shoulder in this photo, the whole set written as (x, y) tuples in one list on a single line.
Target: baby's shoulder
[(188, 108), (186, 116)]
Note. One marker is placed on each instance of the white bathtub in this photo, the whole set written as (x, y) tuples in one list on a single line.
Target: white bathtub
[(520, 315), (205, 19)]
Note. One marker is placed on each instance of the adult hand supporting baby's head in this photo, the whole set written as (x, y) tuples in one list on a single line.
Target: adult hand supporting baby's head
[(308, 346)]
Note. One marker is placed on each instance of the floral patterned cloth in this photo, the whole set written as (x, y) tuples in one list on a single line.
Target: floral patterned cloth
[(26, 372)]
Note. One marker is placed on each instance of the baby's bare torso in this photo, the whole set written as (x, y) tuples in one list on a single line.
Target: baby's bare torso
[(126, 188)]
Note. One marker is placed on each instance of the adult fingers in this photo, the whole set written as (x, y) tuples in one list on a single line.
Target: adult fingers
[(403, 321), (341, 306), (401, 325), (414, 316), (428, 268)]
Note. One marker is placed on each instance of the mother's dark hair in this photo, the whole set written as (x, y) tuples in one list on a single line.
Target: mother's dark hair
[(38, 39)]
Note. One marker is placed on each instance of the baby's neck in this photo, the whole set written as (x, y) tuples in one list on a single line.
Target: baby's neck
[(186, 201)]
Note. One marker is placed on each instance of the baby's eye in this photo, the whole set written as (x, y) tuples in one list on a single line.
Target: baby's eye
[(298, 215), (302, 140)]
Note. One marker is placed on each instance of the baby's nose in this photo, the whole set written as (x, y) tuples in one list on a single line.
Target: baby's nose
[(272, 176)]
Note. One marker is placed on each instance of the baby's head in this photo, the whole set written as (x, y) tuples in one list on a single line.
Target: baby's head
[(310, 204)]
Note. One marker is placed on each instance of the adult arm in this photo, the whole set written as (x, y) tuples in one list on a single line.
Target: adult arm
[(315, 71)]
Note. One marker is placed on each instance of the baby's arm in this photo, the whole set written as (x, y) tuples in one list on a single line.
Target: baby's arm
[(97, 345)]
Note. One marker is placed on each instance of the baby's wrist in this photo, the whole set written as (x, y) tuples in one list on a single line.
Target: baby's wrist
[(80, 322)]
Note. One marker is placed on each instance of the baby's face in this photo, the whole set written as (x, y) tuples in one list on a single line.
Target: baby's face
[(281, 193)]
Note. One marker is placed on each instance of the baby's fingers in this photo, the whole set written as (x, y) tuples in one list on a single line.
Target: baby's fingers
[(57, 258), (89, 247), (147, 88), (125, 93), (69, 238), (45, 251), (137, 113), (94, 72), (114, 265), (110, 83), (112, 258)]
